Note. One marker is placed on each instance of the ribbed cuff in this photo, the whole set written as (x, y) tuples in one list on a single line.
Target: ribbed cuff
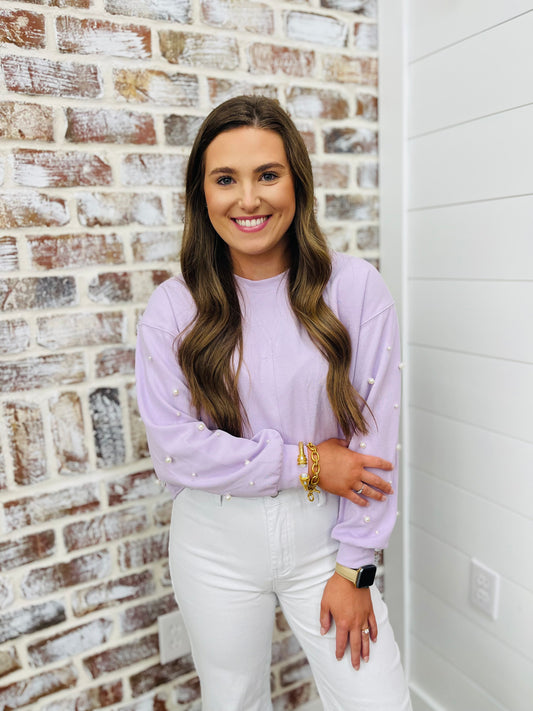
[(354, 556), (289, 476)]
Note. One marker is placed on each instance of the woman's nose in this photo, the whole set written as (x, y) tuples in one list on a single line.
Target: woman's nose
[(249, 199)]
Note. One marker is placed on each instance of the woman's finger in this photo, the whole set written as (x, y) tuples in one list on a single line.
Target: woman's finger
[(377, 482), (341, 642), (325, 619), (371, 462), (373, 626), (365, 642), (354, 498), (370, 493), (355, 648)]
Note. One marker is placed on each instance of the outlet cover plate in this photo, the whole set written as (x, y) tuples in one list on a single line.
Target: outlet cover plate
[(173, 637), (484, 588)]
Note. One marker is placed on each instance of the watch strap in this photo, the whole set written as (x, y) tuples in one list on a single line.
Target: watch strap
[(348, 573), (354, 574)]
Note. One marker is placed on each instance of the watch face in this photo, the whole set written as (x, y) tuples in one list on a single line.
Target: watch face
[(366, 575)]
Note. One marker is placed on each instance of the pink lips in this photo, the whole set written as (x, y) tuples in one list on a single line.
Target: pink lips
[(251, 224)]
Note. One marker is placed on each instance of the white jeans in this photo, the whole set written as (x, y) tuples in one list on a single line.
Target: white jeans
[(230, 561)]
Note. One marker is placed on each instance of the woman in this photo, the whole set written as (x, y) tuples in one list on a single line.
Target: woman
[(267, 339)]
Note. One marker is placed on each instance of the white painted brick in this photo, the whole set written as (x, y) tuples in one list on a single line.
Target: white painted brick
[(321, 29)]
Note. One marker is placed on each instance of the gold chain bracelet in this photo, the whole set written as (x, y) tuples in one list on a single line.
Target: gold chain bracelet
[(310, 483)]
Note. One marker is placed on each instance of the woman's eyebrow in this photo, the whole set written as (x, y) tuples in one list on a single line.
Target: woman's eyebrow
[(260, 169), (269, 166), (221, 170)]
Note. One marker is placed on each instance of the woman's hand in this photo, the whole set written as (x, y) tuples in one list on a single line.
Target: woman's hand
[(343, 472), (351, 609)]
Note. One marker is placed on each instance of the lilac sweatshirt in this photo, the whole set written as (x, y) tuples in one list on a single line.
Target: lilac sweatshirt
[(282, 385)]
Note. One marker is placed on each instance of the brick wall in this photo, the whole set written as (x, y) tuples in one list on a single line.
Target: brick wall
[(99, 101)]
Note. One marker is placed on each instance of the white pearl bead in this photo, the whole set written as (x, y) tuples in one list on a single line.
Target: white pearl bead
[(246, 462), (377, 533), (194, 474), (398, 447), (175, 391), (363, 445), (252, 483), (401, 365), (201, 426), (217, 433), (366, 519), (389, 348), (168, 460), (178, 413), (396, 406), (371, 381), (149, 357), (227, 497)]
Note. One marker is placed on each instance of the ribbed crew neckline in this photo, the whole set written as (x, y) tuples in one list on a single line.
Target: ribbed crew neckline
[(261, 284)]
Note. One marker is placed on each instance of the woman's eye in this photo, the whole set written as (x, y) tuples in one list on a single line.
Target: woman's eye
[(267, 177), (224, 180)]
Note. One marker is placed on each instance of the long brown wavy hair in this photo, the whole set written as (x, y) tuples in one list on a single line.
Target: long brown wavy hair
[(210, 350)]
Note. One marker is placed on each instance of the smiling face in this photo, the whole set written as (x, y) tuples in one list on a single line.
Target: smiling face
[(249, 192)]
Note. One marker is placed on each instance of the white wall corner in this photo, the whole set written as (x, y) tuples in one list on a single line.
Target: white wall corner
[(392, 23)]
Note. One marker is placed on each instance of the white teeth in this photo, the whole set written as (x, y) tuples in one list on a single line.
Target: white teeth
[(253, 222)]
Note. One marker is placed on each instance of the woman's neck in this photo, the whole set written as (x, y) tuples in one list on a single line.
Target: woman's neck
[(260, 268)]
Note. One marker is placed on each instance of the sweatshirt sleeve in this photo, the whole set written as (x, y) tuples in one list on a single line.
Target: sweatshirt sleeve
[(185, 452), (377, 377)]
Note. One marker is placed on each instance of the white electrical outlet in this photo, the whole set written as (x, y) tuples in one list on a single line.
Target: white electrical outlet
[(484, 588), (173, 638)]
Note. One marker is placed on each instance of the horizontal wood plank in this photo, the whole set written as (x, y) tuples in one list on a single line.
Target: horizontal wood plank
[(461, 520), (439, 23), (482, 160), (446, 242), (489, 318), (506, 675), (502, 57), (445, 573), (447, 682), (490, 393), (483, 463)]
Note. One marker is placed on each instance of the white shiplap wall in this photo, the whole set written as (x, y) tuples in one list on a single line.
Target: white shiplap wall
[(470, 347)]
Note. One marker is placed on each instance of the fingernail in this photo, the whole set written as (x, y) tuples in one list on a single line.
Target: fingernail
[(366, 659), (322, 630)]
